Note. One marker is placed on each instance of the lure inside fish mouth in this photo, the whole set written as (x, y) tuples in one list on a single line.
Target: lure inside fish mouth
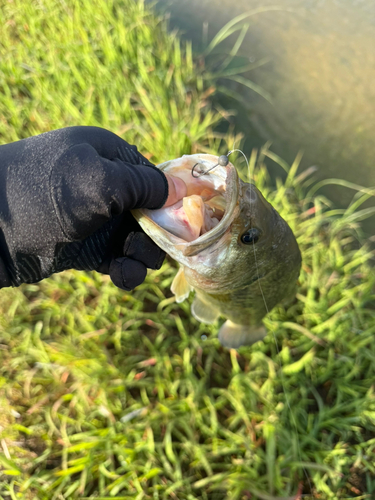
[(203, 216)]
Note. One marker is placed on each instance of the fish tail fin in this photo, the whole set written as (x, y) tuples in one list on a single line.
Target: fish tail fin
[(234, 336)]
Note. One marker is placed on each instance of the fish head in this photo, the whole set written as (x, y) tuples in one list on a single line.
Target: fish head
[(262, 248), (247, 253)]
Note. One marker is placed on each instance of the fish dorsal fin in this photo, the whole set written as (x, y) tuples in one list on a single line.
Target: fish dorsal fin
[(203, 311), (180, 287), (234, 336)]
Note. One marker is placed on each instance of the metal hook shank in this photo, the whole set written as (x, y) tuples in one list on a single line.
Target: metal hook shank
[(197, 174), (223, 162)]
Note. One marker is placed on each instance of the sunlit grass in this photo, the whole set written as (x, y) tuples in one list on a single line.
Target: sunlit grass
[(107, 394)]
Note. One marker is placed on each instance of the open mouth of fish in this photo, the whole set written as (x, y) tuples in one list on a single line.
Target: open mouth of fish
[(205, 214)]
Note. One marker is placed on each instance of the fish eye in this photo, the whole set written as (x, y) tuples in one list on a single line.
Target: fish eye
[(251, 236)]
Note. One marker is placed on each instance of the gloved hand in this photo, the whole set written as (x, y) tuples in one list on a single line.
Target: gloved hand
[(65, 201)]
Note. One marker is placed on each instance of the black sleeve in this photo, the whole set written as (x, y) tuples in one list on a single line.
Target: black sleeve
[(62, 186)]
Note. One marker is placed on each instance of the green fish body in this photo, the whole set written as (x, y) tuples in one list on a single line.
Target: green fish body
[(234, 249)]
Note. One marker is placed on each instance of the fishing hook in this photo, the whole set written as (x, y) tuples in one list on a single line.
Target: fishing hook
[(222, 161)]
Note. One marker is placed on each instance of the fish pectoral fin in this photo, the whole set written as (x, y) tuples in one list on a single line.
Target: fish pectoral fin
[(180, 287), (234, 336), (204, 312)]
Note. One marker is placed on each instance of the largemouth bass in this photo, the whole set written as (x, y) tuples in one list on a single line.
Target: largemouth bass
[(234, 249)]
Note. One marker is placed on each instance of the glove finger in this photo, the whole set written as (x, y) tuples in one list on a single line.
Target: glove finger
[(140, 247), (127, 273), (104, 266), (114, 234)]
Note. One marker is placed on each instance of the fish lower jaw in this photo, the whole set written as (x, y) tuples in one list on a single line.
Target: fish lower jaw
[(203, 283)]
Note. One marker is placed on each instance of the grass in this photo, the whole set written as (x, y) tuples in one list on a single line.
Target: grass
[(106, 394)]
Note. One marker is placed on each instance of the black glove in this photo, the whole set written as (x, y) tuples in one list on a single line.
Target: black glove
[(65, 201)]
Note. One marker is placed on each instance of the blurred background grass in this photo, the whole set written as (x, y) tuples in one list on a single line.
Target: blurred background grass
[(106, 394)]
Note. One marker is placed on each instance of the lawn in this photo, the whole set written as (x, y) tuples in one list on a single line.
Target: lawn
[(106, 394)]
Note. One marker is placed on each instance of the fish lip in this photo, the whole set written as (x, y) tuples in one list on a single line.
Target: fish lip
[(189, 249)]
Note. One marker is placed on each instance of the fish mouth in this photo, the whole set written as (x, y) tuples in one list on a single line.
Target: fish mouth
[(204, 215)]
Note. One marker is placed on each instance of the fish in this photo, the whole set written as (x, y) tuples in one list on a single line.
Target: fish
[(234, 249)]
